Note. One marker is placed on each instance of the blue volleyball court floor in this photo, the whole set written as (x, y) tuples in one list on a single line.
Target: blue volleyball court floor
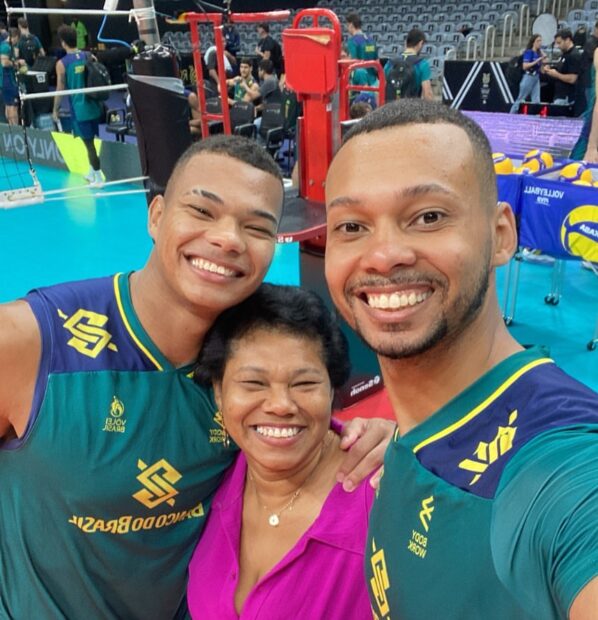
[(78, 235)]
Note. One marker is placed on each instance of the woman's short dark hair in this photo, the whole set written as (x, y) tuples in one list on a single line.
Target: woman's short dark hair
[(286, 309)]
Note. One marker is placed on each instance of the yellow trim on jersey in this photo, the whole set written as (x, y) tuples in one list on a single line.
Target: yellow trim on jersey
[(474, 412), (128, 326)]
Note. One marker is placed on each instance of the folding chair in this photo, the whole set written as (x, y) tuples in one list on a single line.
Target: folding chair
[(242, 114)]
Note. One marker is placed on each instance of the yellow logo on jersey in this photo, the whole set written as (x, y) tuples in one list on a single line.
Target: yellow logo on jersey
[(380, 582), (114, 422), (157, 481), (89, 337), (425, 515), (489, 452), (218, 435)]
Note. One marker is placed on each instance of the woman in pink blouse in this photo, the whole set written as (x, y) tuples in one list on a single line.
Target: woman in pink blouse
[(283, 540)]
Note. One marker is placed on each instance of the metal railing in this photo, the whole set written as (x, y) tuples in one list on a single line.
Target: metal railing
[(451, 54), (523, 14), (468, 44), (509, 23), (490, 30)]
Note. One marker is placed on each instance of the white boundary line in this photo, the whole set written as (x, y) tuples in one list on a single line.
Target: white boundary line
[(97, 195), (64, 190), (73, 91)]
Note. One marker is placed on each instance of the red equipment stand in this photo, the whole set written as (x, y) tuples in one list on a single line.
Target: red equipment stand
[(313, 71), (311, 62), (312, 55), (194, 19), (347, 66)]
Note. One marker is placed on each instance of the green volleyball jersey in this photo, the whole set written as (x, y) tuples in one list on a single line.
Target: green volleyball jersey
[(84, 108), (104, 497), (467, 522)]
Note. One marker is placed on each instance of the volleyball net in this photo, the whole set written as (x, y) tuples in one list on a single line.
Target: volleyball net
[(19, 182)]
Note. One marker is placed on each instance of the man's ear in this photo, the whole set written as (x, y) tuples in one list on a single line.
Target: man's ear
[(155, 212), (505, 234)]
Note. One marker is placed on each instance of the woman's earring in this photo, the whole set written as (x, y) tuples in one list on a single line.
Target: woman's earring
[(225, 436)]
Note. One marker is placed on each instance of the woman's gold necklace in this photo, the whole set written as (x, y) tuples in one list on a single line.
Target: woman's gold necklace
[(274, 517)]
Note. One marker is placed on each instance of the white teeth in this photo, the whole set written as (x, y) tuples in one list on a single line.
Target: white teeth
[(200, 263), (397, 300), (276, 431)]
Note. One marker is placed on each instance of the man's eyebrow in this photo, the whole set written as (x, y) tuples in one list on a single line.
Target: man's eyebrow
[(344, 201), (218, 200), (266, 215), (408, 192), (426, 188), (206, 194)]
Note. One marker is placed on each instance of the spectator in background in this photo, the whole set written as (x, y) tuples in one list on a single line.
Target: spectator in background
[(567, 70), (359, 109), (360, 77), (245, 88), (533, 56), (359, 45), (269, 85), (581, 36), (418, 83), (10, 91), (81, 31), (232, 39), (3, 32), (586, 147), (269, 49), (587, 62), (211, 60), (269, 90), (85, 112), (29, 45)]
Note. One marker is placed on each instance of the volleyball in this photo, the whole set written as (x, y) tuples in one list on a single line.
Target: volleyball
[(522, 170), (582, 182), (502, 163), (576, 171), (579, 232), (536, 160)]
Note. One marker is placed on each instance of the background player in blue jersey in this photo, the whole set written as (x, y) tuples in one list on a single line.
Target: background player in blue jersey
[(488, 506), (109, 453)]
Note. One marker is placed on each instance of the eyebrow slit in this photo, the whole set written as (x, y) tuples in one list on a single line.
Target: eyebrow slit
[(208, 195)]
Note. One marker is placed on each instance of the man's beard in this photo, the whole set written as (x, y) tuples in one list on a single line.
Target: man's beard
[(447, 327)]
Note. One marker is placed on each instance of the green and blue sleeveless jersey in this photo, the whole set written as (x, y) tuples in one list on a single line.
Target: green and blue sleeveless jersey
[(488, 508), (84, 108), (104, 497), (361, 47)]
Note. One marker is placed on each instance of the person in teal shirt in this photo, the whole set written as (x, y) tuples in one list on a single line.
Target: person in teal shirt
[(488, 506), (85, 111), (422, 85), (10, 89), (359, 45)]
